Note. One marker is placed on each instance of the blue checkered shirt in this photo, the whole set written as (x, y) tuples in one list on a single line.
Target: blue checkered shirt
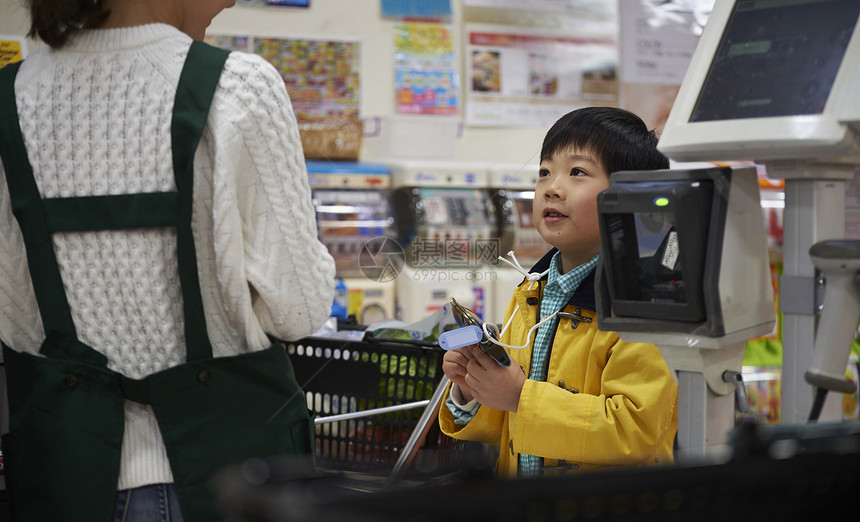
[(557, 292)]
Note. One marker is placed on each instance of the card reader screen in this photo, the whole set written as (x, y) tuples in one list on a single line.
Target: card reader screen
[(776, 58)]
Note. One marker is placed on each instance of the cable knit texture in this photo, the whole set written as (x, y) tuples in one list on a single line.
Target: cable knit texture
[(96, 120)]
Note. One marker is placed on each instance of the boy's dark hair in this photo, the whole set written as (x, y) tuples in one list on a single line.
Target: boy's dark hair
[(619, 139)]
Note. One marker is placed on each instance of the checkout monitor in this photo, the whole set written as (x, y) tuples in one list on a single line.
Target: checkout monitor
[(655, 245), (769, 76)]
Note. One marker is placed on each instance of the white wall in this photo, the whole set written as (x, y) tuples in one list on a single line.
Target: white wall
[(351, 19), (15, 20)]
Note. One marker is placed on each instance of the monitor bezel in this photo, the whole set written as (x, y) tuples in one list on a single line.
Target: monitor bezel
[(812, 136)]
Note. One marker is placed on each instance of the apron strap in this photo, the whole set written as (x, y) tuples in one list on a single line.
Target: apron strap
[(120, 212), (39, 218), (197, 84), (27, 208)]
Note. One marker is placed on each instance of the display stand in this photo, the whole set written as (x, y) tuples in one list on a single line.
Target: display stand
[(707, 388), (447, 233)]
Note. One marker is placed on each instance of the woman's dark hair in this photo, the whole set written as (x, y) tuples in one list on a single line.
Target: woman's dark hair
[(619, 139), (54, 21)]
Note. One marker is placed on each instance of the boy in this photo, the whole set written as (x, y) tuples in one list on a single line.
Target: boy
[(576, 398)]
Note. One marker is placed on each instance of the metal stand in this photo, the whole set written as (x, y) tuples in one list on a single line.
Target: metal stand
[(706, 395), (814, 211), (704, 419)]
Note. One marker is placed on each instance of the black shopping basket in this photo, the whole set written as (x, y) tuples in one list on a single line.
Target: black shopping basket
[(376, 403)]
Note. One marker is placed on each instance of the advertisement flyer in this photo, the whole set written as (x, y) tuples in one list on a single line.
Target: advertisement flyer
[(425, 69), (230, 41), (655, 48), (416, 8), (12, 49), (523, 77), (321, 76), (274, 3), (594, 6)]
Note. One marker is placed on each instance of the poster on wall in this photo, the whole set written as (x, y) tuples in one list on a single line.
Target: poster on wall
[(656, 44), (274, 3), (233, 42), (425, 72), (12, 49), (321, 75), (522, 77), (416, 8), (594, 6)]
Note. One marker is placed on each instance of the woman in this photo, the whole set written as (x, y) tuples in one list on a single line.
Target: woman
[(145, 319)]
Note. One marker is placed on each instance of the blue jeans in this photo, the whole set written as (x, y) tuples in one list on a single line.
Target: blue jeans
[(155, 503)]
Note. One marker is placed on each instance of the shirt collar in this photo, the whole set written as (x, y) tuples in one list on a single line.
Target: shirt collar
[(567, 283)]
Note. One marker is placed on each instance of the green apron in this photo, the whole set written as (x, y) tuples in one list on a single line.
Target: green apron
[(62, 452)]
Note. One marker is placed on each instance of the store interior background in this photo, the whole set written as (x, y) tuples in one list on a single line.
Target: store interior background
[(390, 136)]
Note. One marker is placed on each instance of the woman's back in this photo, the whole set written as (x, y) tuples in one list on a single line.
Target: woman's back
[(96, 120), (95, 116)]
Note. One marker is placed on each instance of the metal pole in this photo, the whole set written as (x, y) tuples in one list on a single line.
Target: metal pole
[(417, 436), (368, 413), (814, 211)]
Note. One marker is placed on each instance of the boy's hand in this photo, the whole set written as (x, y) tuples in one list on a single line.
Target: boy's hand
[(454, 364), (495, 386)]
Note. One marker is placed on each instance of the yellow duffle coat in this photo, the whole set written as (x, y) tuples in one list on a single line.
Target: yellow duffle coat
[(605, 404)]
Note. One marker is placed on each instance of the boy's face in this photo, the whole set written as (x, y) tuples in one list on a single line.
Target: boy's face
[(565, 204)]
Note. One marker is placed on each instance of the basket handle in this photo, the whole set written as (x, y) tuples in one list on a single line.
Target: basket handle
[(369, 413)]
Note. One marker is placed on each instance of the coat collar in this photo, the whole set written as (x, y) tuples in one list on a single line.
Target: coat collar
[(583, 297)]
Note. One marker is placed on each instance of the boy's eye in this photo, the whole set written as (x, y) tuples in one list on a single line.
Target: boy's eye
[(543, 173), (577, 172)]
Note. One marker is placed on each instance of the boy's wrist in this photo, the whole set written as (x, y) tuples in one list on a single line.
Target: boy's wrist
[(462, 399)]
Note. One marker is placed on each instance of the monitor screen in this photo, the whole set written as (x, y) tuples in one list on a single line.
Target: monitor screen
[(776, 58)]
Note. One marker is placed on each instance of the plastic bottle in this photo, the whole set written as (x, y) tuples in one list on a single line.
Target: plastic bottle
[(341, 299)]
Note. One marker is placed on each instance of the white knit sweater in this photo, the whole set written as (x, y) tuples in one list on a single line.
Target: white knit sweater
[(96, 120)]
